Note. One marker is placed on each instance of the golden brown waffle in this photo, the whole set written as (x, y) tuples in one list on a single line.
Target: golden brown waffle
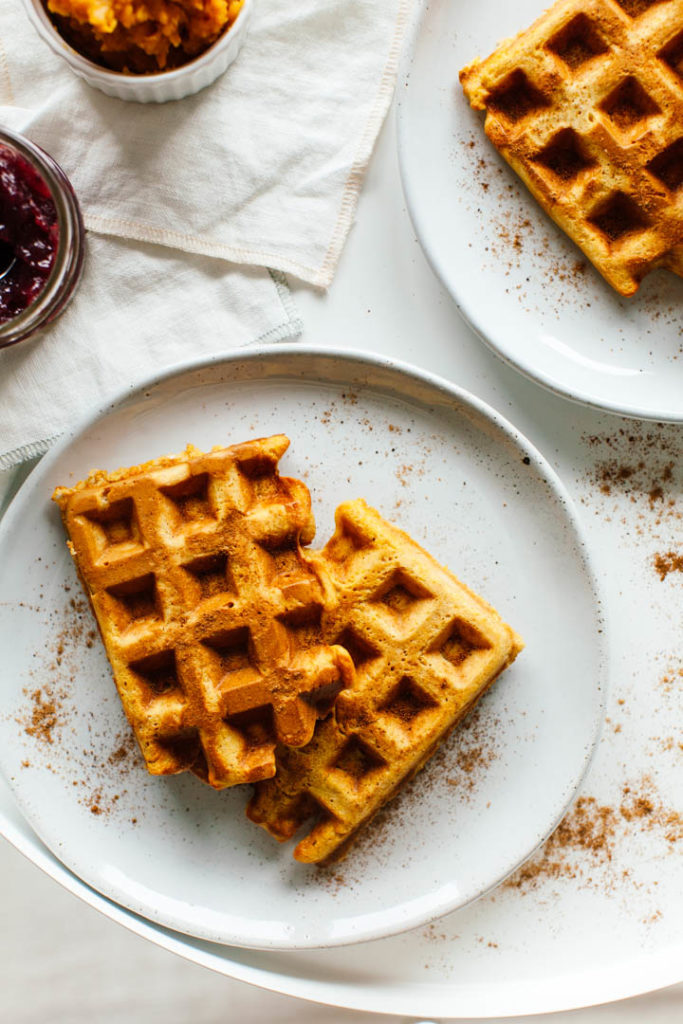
[(193, 569), (425, 649), (587, 107)]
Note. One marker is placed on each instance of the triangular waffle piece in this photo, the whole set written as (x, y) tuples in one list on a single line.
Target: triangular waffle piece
[(425, 649), (193, 569), (587, 107)]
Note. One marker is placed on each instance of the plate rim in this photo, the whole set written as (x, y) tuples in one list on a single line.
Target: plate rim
[(410, 193), (597, 988), (433, 381)]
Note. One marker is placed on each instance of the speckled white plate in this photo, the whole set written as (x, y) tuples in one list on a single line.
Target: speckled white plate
[(464, 483), (516, 278)]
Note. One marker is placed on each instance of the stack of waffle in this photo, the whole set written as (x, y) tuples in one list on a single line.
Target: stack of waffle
[(326, 678)]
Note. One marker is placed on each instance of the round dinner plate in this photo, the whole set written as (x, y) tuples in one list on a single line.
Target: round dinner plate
[(517, 279), (466, 485)]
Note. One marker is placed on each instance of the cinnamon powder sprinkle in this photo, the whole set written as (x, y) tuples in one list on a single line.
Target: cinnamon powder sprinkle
[(587, 838), (99, 769), (43, 716), (471, 762), (519, 242), (589, 828), (637, 480), (125, 750), (670, 562)]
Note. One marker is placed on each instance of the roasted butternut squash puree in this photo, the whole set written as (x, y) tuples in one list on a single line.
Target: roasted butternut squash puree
[(142, 36)]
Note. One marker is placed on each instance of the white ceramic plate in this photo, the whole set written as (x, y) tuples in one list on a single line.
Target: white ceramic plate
[(517, 279), (441, 465)]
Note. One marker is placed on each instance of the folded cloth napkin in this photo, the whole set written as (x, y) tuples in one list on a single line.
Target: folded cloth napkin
[(263, 167), (139, 309)]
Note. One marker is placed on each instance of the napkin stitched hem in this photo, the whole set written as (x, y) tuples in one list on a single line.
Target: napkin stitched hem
[(354, 182), (202, 246), (289, 328), (5, 80), (319, 275)]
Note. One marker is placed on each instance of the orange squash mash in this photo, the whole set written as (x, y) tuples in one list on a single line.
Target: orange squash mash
[(142, 36)]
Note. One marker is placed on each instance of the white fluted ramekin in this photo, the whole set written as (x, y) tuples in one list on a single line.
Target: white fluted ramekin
[(159, 87)]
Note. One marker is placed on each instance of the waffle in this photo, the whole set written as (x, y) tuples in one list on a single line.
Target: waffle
[(193, 569), (425, 649), (587, 107)]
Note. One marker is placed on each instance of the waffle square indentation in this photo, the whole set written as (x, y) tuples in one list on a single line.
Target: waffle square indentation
[(565, 155), (407, 701), (361, 651), (191, 498), (136, 599), (578, 42), (634, 8), (672, 54), (159, 673), (618, 217), (668, 165), (461, 639), (212, 575), (629, 104), (358, 760), (401, 595), (516, 97), (231, 649)]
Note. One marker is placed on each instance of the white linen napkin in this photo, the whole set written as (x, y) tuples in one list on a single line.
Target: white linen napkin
[(263, 167), (139, 309)]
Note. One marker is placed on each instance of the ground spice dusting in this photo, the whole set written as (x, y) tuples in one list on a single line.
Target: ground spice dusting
[(639, 469), (523, 242), (96, 771), (670, 562), (470, 762), (43, 717), (672, 677), (123, 751), (643, 808), (632, 480), (586, 840), (590, 827)]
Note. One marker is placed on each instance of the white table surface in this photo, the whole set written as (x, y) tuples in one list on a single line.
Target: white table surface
[(62, 961)]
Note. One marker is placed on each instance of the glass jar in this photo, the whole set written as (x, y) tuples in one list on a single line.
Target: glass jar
[(65, 270)]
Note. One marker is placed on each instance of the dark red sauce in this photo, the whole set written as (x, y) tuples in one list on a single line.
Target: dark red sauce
[(28, 234)]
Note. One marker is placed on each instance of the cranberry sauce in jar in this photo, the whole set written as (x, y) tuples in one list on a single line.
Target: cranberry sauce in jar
[(41, 238), (29, 233)]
